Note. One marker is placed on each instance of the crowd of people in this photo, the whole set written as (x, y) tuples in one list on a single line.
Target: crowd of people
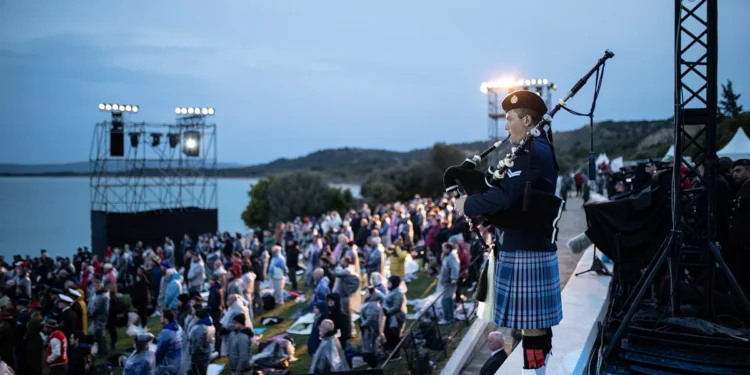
[(207, 291)]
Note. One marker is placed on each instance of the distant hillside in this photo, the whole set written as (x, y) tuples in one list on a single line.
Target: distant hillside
[(630, 139)]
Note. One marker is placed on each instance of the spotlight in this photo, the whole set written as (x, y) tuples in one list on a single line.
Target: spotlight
[(544, 81), (118, 107), (155, 139), (200, 111), (134, 139), (174, 139), (192, 143), (527, 82), (533, 82)]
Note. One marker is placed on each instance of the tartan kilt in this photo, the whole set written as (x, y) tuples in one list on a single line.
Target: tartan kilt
[(527, 290)]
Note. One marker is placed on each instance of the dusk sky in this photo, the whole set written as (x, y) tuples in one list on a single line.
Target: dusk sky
[(291, 77)]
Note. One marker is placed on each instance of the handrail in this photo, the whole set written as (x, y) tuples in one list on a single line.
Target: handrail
[(408, 331)]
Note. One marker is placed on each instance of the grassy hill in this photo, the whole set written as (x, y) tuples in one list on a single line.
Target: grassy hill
[(631, 139)]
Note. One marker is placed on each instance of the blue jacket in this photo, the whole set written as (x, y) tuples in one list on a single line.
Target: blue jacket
[(169, 348), (277, 261), (321, 291), (140, 364), (535, 165), (174, 289)]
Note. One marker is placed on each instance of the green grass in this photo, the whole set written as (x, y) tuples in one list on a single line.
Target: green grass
[(418, 288)]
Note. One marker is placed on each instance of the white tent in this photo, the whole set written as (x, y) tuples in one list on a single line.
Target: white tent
[(737, 148), (616, 164), (602, 159), (669, 155)]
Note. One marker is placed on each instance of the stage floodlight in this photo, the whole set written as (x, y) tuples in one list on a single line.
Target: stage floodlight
[(118, 107), (533, 82), (134, 139), (211, 111), (527, 82), (544, 81), (174, 139), (190, 110), (204, 111), (183, 111), (177, 110), (155, 139), (191, 143), (554, 86)]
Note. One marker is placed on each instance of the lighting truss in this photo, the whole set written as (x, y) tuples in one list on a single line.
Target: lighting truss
[(154, 175)]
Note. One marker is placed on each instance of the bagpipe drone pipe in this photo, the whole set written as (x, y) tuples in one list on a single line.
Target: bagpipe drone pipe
[(539, 210)]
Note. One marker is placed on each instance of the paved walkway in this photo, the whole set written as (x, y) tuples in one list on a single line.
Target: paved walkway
[(572, 223)]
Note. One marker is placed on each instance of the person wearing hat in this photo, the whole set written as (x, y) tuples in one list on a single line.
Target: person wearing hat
[(50, 303), (522, 255), (57, 344), (143, 360), (79, 307), (68, 317), (738, 251)]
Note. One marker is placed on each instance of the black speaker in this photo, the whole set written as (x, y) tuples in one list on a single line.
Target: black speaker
[(117, 142)]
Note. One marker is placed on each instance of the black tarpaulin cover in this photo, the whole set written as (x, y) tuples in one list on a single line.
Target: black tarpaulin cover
[(639, 222)]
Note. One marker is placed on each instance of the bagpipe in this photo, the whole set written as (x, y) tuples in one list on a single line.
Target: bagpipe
[(539, 211)]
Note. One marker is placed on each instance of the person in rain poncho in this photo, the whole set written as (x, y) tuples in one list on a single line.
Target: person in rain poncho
[(371, 321), (142, 361), (321, 290), (165, 279), (196, 274), (169, 345), (376, 281), (202, 336), (248, 282), (394, 308), (347, 286), (330, 356), (278, 272), (237, 305), (240, 343), (174, 289)]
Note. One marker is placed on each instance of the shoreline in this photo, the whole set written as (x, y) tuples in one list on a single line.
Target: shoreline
[(69, 175)]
